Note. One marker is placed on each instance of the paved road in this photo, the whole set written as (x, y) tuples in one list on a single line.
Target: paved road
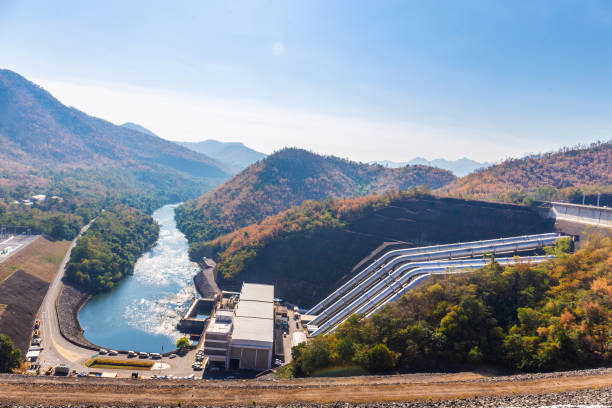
[(57, 350)]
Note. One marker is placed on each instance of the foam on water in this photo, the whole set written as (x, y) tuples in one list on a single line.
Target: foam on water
[(142, 312)]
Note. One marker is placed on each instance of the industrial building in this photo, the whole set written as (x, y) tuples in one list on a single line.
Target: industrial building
[(240, 333)]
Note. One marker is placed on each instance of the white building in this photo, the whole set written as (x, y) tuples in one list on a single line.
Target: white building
[(246, 341)]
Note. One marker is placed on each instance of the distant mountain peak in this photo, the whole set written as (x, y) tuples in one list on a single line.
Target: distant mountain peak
[(459, 167), (235, 155), (138, 128)]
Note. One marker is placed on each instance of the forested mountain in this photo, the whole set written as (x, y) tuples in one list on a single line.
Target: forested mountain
[(286, 179), (43, 142), (308, 250), (460, 167), (235, 155), (564, 169)]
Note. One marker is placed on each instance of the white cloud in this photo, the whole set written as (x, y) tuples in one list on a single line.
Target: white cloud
[(278, 48), (183, 117)]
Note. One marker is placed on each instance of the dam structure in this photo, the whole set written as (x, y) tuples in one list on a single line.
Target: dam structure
[(582, 214)]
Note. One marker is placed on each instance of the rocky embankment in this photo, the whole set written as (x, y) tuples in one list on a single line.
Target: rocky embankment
[(69, 304), (204, 280)]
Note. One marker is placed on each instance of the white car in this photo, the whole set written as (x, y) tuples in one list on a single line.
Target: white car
[(131, 354), (103, 351), (113, 352), (142, 354)]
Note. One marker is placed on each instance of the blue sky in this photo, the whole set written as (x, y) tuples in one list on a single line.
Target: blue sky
[(368, 80)]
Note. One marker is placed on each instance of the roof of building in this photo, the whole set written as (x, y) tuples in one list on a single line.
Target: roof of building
[(248, 329), (250, 308), (219, 327), (257, 292)]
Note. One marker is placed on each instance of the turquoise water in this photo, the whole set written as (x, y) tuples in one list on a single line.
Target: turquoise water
[(142, 312)]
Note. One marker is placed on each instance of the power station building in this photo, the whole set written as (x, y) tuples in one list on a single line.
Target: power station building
[(242, 336)]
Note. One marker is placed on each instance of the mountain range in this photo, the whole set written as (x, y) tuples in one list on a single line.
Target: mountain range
[(41, 139), (460, 167), (234, 155)]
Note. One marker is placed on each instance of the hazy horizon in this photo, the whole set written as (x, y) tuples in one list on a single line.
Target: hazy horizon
[(366, 81)]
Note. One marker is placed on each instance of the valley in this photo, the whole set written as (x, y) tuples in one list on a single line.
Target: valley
[(211, 204)]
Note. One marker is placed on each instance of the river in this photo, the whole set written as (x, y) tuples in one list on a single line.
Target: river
[(141, 313)]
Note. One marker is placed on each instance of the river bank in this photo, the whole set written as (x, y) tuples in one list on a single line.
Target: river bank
[(68, 306)]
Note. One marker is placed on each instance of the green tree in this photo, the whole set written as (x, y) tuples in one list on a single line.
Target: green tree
[(10, 357), (182, 343), (380, 359)]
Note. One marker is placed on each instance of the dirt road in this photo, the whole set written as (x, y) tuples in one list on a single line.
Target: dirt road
[(418, 387)]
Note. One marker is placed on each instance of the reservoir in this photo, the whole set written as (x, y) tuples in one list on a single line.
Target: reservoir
[(141, 313)]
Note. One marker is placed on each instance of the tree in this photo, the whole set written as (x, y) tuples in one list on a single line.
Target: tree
[(380, 359), (183, 343), (10, 357)]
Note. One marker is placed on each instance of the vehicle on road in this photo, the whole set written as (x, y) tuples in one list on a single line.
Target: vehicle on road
[(142, 354), (131, 354), (113, 352), (103, 351), (155, 356), (172, 355)]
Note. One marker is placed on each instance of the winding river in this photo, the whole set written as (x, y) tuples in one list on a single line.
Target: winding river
[(142, 312)]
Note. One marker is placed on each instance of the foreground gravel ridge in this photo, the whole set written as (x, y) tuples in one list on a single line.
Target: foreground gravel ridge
[(601, 398)]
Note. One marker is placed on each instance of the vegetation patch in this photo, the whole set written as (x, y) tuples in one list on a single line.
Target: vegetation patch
[(100, 362), (108, 251), (555, 315)]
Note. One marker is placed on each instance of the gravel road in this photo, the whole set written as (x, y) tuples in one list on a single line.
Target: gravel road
[(583, 388)]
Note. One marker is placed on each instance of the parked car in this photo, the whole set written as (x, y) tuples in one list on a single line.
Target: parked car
[(155, 356), (113, 352), (131, 354), (142, 354), (103, 351), (172, 355)]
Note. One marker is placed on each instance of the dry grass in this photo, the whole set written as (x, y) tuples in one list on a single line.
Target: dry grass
[(40, 259)]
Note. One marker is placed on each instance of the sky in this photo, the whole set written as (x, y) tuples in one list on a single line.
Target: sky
[(365, 80)]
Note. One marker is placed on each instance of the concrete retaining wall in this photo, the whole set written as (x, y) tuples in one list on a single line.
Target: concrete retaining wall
[(584, 214)]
